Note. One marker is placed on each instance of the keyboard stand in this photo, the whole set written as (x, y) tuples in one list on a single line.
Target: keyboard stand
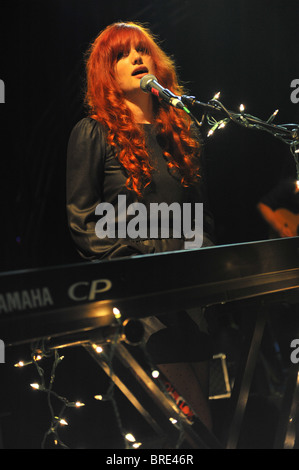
[(201, 439), (132, 380)]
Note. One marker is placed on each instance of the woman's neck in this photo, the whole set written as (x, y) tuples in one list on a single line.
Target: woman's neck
[(141, 107)]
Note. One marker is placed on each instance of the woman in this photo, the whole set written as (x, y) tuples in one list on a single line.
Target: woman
[(134, 145)]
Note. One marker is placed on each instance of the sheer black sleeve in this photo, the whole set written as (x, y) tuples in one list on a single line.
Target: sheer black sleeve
[(86, 155)]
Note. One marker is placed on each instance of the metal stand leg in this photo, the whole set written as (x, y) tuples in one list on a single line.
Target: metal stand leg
[(244, 376), (286, 429), (125, 390)]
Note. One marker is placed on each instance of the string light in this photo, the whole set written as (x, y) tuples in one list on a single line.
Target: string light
[(173, 420), (288, 133), (98, 397), (116, 313), (20, 364), (97, 348), (59, 419), (78, 404), (108, 356), (130, 437), (222, 125), (27, 363), (56, 420), (35, 386), (155, 373), (136, 445), (216, 96), (273, 115), (216, 125)]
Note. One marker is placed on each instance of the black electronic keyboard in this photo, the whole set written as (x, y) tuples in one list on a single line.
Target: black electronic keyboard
[(59, 300)]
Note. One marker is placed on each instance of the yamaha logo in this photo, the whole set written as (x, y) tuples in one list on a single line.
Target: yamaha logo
[(32, 299)]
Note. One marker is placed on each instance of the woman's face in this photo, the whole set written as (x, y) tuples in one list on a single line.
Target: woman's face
[(131, 66)]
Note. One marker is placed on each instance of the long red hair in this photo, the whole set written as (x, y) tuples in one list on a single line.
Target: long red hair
[(106, 104)]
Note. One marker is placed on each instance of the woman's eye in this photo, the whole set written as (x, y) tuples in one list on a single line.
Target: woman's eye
[(142, 50), (121, 55)]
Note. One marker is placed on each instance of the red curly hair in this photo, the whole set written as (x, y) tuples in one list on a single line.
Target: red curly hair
[(106, 104)]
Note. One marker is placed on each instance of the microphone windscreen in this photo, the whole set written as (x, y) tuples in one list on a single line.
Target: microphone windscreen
[(145, 81)]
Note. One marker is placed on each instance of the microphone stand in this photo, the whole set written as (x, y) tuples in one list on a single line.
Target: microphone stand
[(288, 133)]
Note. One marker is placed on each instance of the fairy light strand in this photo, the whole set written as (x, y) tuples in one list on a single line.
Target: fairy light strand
[(178, 420), (108, 352), (56, 420), (108, 355), (287, 133)]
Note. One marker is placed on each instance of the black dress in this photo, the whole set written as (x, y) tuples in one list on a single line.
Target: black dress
[(95, 176)]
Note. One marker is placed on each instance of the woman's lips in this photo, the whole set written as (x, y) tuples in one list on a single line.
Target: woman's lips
[(140, 72)]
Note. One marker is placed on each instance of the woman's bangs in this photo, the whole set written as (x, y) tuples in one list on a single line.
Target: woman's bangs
[(126, 38)]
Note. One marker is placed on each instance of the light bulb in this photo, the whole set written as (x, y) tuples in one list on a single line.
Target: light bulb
[(78, 404), (155, 374), (63, 422), (136, 445), (20, 364), (173, 420), (35, 386), (98, 397), (130, 437), (116, 312)]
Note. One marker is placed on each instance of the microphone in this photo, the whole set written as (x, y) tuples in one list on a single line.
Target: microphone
[(149, 84)]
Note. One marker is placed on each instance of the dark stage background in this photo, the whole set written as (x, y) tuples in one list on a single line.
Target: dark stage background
[(248, 50)]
